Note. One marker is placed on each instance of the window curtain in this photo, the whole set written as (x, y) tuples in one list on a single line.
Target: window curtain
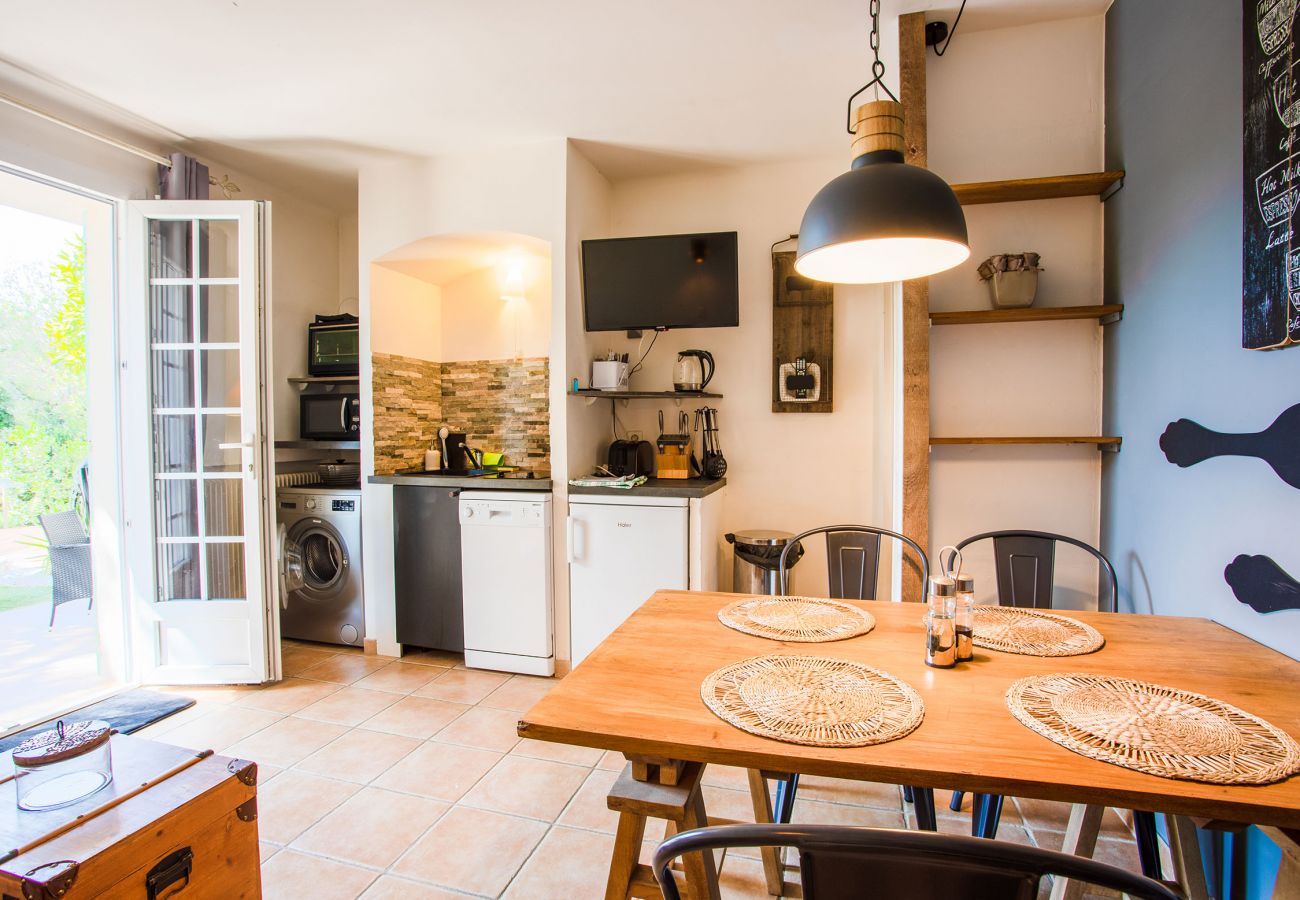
[(185, 179)]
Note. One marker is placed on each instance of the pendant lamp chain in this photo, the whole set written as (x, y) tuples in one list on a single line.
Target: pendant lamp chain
[(877, 68)]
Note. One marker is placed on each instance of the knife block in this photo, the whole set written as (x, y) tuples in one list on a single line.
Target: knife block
[(673, 457)]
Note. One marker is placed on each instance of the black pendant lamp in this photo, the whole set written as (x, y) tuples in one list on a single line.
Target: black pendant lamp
[(883, 220)]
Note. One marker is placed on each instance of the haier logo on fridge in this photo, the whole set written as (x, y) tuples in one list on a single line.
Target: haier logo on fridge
[(624, 524)]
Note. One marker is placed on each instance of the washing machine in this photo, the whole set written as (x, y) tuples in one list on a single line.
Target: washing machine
[(319, 562)]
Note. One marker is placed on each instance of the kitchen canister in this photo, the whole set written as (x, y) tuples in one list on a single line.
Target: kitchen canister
[(63, 765), (940, 629)]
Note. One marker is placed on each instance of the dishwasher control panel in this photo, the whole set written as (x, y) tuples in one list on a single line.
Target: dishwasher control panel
[(502, 513)]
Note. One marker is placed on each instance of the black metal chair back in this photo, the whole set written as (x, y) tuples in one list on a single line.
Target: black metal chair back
[(838, 862), (852, 559), (1026, 568)]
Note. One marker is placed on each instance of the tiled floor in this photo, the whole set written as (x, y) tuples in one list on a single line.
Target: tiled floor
[(387, 779)]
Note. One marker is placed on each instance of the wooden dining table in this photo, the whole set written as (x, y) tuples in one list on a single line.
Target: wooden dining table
[(638, 693)]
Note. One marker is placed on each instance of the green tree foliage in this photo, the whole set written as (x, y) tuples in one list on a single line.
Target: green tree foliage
[(42, 385)]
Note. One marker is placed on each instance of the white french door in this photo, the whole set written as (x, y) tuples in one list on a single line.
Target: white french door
[(193, 318)]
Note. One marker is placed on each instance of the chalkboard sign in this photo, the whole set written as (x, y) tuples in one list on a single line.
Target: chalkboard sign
[(1270, 305)]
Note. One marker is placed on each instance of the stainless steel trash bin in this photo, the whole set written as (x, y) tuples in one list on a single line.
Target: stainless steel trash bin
[(756, 557)]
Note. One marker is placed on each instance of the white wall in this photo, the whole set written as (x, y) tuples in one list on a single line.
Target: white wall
[(786, 471), (518, 189), (1018, 103), (478, 324), (405, 315)]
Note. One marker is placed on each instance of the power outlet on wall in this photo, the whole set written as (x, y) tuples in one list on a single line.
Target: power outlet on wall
[(634, 435)]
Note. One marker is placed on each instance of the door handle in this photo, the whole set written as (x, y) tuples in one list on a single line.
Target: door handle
[(568, 523), (245, 444), (343, 416)]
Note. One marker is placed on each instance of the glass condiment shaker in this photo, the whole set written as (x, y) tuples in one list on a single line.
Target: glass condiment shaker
[(940, 629), (964, 617)]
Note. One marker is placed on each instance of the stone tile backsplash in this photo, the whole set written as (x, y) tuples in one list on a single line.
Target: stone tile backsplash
[(501, 404)]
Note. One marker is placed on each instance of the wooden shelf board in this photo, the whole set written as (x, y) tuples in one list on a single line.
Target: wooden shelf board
[(1087, 184), (325, 379), (646, 395), (317, 445), (1104, 312), (1104, 442)]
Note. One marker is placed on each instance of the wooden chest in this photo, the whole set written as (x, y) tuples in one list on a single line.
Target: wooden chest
[(172, 824)]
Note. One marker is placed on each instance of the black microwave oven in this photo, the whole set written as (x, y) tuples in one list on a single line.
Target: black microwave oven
[(333, 346), (335, 416)]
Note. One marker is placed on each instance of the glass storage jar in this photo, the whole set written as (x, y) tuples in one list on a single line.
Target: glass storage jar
[(63, 765)]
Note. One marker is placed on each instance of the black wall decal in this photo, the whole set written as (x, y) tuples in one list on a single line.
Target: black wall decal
[(1186, 443), (1270, 254), (1261, 584)]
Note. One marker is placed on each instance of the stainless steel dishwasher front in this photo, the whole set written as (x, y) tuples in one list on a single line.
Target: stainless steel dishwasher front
[(426, 555)]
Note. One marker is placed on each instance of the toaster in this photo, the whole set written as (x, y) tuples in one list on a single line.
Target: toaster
[(631, 458)]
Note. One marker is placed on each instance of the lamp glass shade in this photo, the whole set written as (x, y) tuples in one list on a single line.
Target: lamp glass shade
[(881, 221)]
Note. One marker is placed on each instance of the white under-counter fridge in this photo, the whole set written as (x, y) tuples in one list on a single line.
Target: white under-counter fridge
[(624, 548)]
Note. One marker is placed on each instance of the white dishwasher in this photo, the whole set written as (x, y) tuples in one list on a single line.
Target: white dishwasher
[(506, 568)]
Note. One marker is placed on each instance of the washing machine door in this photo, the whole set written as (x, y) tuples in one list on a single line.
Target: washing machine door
[(323, 558), (290, 565)]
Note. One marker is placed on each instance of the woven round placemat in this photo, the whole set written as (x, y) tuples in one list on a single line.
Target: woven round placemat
[(812, 700), (807, 619), (1154, 729), (1032, 632)]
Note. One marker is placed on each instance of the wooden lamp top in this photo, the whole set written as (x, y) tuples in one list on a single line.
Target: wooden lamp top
[(878, 125)]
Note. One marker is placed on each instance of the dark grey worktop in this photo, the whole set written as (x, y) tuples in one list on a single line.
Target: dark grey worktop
[(658, 487), (433, 479)]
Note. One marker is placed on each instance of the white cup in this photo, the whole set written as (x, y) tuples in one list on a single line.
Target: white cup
[(609, 375)]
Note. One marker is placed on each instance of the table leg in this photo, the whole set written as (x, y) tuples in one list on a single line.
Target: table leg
[(627, 855), (761, 798), (1288, 874), (1080, 840), (1185, 848)]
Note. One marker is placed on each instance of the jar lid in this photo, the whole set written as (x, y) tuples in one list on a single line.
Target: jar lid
[(62, 742), (943, 587), (965, 583), (761, 537)]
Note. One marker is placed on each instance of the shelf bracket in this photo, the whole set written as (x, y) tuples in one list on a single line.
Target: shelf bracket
[(1112, 318), (1109, 448)]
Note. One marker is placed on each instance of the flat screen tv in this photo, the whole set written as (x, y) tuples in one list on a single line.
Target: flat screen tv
[(659, 282)]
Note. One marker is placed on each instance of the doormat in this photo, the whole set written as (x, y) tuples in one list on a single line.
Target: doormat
[(128, 712)]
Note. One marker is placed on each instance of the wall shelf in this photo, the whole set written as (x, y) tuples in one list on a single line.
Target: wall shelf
[(318, 445), (1088, 184), (1103, 442), (1105, 313), (329, 382)]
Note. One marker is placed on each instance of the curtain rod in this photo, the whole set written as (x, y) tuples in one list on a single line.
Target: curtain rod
[(95, 135)]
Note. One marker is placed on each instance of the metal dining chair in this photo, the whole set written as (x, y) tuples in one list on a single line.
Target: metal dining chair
[(839, 862), (1025, 562), (853, 572)]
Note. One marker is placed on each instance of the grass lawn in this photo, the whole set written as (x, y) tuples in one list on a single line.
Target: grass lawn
[(13, 597)]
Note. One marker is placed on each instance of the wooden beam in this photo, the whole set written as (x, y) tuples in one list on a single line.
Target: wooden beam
[(916, 317), (1086, 184)]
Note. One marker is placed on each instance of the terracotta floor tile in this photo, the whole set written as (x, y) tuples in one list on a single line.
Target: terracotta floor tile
[(443, 659), (567, 863), (348, 706), (285, 742), (265, 850), (372, 828), (292, 876), (589, 807), (399, 678), (613, 761), (526, 787), (463, 685), (817, 812), (359, 756), (294, 660), (345, 668), (293, 802), (441, 771), (219, 693), (472, 850), (862, 793), (286, 696), (519, 693), (219, 728), (389, 887), (565, 753), (732, 778), (417, 717), (487, 729), (1051, 816)]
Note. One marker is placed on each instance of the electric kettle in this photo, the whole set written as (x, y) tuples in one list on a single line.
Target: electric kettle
[(693, 371)]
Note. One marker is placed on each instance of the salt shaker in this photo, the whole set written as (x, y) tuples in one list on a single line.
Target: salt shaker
[(940, 629), (964, 617)]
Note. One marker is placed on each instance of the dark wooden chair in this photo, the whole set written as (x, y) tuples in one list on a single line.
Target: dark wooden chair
[(838, 862), (1025, 563), (853, 573)]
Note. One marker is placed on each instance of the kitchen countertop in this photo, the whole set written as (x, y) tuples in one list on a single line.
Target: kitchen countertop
[(659, 487), (433, 479)]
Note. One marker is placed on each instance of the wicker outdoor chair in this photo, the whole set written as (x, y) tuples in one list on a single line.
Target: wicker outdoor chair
[(69, 560)]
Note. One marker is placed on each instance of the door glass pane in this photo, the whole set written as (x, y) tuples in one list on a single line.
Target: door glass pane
[(219, 313), (171, 314), (170, 248), (226, 572), (173, 443), (220, 378), (178, 572), (177, 507), (223, 507), (218, 430), (220, 246), (173, 379)]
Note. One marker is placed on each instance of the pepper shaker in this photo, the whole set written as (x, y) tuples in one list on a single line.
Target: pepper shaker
[(940, 629), (964, 617)]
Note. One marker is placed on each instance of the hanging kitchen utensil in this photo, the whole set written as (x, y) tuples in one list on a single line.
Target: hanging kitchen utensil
[(715, 464)]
